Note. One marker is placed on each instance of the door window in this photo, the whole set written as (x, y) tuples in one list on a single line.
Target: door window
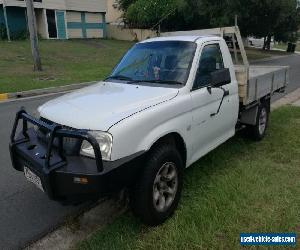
[(211, 60)]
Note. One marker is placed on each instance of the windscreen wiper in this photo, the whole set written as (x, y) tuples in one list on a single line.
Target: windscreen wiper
[(159, 82), (119, 77)]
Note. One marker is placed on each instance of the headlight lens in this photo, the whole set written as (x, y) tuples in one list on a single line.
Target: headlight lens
[(105, 143)]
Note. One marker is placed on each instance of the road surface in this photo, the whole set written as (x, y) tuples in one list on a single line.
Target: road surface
[(294, 62), (25, 212)]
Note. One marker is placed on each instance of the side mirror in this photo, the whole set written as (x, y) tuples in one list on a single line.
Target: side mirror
[(220, 77)]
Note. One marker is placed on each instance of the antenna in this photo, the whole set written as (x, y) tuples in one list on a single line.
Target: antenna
[(161, 20)]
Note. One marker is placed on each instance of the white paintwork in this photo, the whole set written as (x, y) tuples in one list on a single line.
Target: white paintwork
[(94, 33), (46, 24), (218, 128), (87, 5), (47, 4), (74, 33), (199, 39), (137, 116), (41, 23), (73, 16), (76, 5), (100, 106), (93, 17)]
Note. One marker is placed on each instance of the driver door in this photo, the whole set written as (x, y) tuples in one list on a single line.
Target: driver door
[(209, 131)]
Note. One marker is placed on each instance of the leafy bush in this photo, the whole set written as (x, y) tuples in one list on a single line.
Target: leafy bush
[(145, 13), (268, 18), (20, 35)]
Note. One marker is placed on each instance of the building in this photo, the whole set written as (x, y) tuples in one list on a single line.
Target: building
[(57, 19), (113, 15)]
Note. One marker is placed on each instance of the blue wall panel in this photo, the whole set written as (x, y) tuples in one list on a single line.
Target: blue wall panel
[(2, 22), (76, 25), (17, 22), (61, 25), (83, 24)]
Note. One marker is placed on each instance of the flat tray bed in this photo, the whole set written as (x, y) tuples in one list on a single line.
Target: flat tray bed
[(261, 81)]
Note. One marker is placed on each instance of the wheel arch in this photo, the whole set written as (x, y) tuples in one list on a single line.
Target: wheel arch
[(173, 138)]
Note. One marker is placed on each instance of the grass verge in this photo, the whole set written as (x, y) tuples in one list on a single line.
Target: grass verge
[(284, 46), (67, 62), (258, 54), (64, 62), (242, 186)]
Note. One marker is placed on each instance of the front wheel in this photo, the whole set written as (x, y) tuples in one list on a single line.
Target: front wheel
[(157, 193), (258, 131)]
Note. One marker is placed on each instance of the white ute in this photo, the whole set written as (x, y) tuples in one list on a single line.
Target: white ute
[(168, 102)]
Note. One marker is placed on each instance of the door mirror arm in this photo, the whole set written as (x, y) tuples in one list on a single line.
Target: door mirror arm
[(209, 89)]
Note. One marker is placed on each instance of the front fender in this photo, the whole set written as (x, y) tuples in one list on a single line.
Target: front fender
[(140, 131)]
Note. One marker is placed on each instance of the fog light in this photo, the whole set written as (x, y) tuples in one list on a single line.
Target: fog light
[(82, 180)]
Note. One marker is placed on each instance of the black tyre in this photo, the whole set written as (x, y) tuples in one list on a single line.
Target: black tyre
[(258, 131), (158, 190)]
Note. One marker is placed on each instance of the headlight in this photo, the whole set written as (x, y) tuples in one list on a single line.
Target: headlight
[(105, 143)]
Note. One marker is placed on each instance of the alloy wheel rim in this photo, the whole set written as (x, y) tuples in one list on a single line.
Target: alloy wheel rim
[(165, 187), (262, 121)]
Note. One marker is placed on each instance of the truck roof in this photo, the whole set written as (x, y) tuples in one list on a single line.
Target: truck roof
[(182, 38)]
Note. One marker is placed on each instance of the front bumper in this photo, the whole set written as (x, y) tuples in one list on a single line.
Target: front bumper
[(62, 176)]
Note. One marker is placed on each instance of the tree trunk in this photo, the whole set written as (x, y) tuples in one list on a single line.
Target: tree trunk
[(33, 35), (269, 39), (264, 46), (267, 42)]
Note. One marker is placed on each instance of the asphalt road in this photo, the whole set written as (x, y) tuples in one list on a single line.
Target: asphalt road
[(294, 62), (25, 212)]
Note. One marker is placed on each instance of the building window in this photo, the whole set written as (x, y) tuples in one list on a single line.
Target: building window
[(52, 30), (211, 60)]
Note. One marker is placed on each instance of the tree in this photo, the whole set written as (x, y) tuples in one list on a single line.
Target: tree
[(268, 18), (259, 18), (146, 14), (286, 30)]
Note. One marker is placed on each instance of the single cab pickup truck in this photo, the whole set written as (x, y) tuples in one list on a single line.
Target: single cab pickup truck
[(168, 102)]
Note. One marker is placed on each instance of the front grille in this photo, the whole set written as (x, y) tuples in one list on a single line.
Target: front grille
[(71, 145)]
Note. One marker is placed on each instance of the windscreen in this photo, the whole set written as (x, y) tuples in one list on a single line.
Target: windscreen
[(157, 62)]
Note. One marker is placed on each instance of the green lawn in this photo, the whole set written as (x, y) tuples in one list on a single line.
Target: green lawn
[(242, 186), (284, 46), (257, 54), (64, 62)]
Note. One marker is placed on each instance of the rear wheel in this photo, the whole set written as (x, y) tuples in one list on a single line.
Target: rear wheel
[(157, 193), (258, 131)]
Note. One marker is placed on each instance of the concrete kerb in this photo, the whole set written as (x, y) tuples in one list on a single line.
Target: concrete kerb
[(79, 228), (292, 98), (297, 103), (37, 92)]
